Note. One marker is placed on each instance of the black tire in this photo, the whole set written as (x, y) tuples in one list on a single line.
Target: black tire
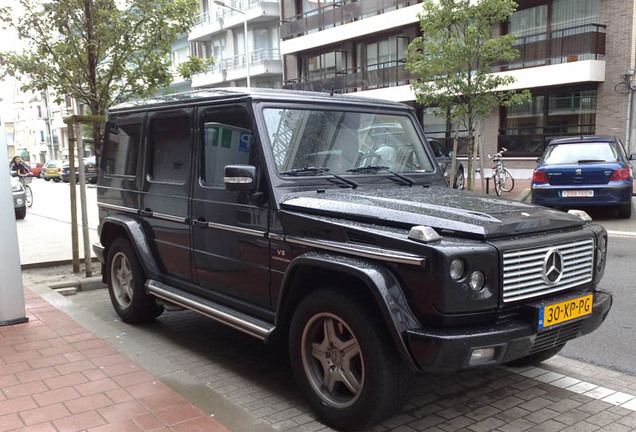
[(625, 211), (496, 184), (460, 180), (508, 183), (536, 358), (56, 180), (126, 278), (28, 196), (21, 213), (334, 336), (46, 178)]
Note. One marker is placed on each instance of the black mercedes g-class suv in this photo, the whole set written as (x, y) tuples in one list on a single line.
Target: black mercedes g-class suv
[(324, 221)]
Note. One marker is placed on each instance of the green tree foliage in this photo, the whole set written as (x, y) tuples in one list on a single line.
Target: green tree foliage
[(453, 62), (100, 52), (194, 65)]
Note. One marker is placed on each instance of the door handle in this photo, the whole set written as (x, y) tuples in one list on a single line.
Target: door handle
[(200, 222), (145, 212)]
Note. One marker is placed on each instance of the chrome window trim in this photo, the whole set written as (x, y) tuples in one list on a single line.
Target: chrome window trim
[(239, 230), (118, 208)]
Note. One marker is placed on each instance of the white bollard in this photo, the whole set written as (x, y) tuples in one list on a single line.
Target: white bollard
[(12, 309)]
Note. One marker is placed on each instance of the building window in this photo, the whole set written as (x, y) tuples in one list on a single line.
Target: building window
[(443, 129), (325, 65), (526, 129)]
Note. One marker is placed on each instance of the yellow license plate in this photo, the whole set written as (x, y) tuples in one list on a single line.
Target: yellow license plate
[(557, 313)]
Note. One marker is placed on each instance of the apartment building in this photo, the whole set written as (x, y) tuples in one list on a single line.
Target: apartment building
[(577, 58), (220, 33)]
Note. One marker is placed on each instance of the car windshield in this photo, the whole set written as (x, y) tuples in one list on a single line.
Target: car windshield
[(338, 142), (562, 154)]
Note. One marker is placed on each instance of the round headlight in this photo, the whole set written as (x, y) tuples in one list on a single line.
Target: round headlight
[(476, 281), (457, 268)]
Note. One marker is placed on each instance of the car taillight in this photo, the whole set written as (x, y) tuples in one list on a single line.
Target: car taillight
[(540, 177), (620, 174)]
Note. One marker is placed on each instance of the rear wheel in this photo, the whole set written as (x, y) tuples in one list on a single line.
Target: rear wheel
[(507, 181), (20, 213), (126, 279), (344, 361), (459, 180), (56, 180)]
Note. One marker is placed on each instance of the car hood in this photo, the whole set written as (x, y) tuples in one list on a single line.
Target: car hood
[(442, 208)]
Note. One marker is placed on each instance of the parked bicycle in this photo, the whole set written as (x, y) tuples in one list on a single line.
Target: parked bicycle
[(501, 177), (25, 179)]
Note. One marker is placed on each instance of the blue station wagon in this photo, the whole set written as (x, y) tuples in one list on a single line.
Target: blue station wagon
[(584, 171)]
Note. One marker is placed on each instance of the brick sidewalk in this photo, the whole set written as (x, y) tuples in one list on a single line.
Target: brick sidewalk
[(57, 376)]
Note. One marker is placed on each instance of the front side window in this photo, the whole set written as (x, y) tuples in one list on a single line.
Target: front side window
[(339, 141), (227, 140)]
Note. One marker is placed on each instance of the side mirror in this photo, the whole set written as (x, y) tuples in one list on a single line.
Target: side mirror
[(240, 178), (538, 160), (632, 156)]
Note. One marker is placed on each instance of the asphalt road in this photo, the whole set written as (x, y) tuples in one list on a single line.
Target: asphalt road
[(612, 345)]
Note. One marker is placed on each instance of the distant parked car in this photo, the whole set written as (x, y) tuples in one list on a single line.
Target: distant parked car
[(52, 170), (19, 200), (89, 170), (584, 171), (444, 159), (36, 168)]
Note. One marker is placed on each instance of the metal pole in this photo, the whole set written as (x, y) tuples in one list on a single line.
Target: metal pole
[(247, 56), (71, 166), (12, 309), (82, 183)]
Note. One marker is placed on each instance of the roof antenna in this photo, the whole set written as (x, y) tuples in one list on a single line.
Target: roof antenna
[(331, 92)]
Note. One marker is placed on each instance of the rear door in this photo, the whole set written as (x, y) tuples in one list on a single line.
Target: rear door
[(164, 203), (229, 234)]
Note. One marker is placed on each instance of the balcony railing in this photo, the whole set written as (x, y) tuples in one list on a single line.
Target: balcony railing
[(387, 74), (238, 61), (336, 14), (584, 42), (214, 15)]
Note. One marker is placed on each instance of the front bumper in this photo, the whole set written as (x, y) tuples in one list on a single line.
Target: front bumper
[(441, 350)]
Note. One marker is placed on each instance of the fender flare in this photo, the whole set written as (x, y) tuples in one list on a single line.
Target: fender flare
[(137, 238), (378, 280)]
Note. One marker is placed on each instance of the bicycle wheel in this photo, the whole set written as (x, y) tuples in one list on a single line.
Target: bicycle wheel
[(508, 182), (497, 183), (28, 195)]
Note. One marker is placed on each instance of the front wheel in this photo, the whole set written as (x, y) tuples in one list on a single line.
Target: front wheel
[(126, 278), (28, 196), (344, 361), (497, 183)]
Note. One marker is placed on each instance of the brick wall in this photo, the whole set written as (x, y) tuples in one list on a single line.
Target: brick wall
[(611, 107)]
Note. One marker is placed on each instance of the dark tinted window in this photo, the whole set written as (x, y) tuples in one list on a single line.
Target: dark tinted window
[(122, 148), (227, 140), (170, 141)]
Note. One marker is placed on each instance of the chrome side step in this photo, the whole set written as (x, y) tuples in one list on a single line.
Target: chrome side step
[(237, 320)]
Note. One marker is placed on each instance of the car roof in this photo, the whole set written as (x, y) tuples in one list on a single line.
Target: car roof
[(583, 139), (276, 95)]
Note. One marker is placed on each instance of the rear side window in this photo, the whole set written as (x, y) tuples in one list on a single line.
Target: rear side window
[(170, 141), (122, 148)]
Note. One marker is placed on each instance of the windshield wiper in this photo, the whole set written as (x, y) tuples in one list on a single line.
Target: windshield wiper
[(406, 180), (319, 170)]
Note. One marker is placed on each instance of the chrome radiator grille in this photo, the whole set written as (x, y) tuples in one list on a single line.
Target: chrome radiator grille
[(525, 271)]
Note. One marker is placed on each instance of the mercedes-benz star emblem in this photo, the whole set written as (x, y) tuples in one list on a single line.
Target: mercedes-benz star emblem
[(553, 266)]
